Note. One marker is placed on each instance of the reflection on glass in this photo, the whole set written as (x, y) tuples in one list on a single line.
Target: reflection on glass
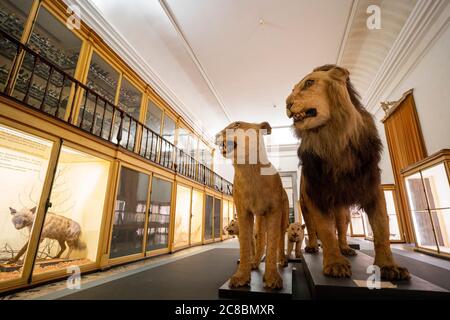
[(13, 15), (357, 221), (130, 98), (55, 42), (169, 129), (159, 214), (437, 187), (416, 194), (217, 207), (153, 117), (103, 79), (24, 161), (182, 216), (209, 207), (71, 228), (197, 217), (392, 214), (204, 154), (424, 229), (129, 214), (441, 220)]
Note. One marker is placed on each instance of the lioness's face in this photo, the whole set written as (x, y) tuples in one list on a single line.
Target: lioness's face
[(233, 228), (241, 138), (309, 104), (296, 232)]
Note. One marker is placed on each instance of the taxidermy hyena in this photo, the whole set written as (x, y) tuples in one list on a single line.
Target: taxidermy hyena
[(56, 227)]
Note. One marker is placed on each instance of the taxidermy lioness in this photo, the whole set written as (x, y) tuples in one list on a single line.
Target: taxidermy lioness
[(295, 235), (339, 152), (56, 227), (257, 192)]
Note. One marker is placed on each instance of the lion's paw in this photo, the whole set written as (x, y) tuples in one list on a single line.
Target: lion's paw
[(311, 249), (339, 269), (273, 280), (239, 280), (394, 272), (347, 251)]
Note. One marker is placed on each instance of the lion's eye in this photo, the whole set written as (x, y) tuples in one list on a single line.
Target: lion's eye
[(308, 83)]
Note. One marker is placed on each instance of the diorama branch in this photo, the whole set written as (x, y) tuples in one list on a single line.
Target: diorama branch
[(7, 253)]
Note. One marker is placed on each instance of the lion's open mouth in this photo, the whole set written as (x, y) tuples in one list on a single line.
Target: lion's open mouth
[(308, 113)]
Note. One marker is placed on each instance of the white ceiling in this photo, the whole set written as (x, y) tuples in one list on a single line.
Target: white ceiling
[(231, 59)]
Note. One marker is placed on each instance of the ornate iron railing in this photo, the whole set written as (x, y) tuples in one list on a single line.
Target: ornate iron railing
[(38, 83)]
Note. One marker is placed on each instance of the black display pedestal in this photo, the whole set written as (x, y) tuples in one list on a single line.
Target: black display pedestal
[(256, 289), (323, 287)]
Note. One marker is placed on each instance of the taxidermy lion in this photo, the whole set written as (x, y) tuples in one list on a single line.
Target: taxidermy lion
[(258, 193), (339, 153), (295, 236)]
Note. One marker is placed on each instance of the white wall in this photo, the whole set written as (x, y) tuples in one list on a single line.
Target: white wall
[(429, 75)]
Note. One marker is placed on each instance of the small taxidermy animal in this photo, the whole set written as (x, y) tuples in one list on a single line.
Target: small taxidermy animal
[(56, 227), (295, 234)]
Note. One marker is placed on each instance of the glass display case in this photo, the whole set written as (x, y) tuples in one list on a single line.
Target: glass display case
[(225, 218), (159, 214), (24, 160), (55, 42), (129, 214), (182, 217), (13, 16), (356, 222), (209, 213), (428, 191), (217, 214), (196, 217)]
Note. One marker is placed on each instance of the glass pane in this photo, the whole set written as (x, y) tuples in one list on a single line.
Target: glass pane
[(13, 15), (224, 217), (130, 99), (102, 78), (357, 221), (209, 207), (169, 129), (217, 207), (153, 117), (437, 187), (24, 161), (441, 220), (424, 230), (197, 217), (182, 216), (72, 225), (159, 215), (392, 214), (54, 41), (184, 140), (129, 215), (416, 193)]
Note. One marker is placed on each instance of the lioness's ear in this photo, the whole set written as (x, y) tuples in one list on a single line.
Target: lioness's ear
[(33, 210), (12, 210), (339, 73), (303, 226), (266, 126)]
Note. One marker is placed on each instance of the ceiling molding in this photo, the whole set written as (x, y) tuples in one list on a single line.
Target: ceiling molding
[(92, 16), (193, 56), (351, 17), (422, 19)]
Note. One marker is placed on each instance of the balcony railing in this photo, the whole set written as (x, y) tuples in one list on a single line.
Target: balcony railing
[(42, 85)]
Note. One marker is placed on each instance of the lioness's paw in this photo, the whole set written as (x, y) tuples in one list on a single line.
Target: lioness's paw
[(394, 272), (239, 280), (347, 251), (273, 280), (311, 249), (340, 269)]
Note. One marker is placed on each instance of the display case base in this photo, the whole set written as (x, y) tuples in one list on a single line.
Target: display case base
[(256, 289), (323, 287)]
